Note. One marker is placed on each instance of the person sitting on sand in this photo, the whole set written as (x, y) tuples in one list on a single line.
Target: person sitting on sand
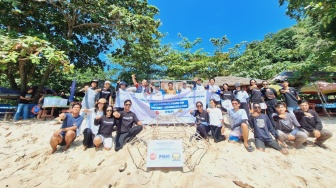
[(125, 129), (262, 127), (106, 124), (67, 133), (216, 121), (287, 126), (202, 120), (312, 124), (238, 121)]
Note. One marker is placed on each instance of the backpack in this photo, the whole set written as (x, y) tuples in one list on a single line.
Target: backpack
[(35, 109)]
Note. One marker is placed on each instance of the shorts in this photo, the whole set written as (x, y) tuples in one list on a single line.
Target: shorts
[(273, 144), (107, 141), (235, 134), (63, 143)]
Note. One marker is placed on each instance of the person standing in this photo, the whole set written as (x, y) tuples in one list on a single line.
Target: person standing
[(198, 84), (226, 96), (121, 96), (143, 87), (256, 96), (291, 96), (242, 96), (170, 89), (312, 124), (106, 92), (262, 129), (184, 88), (125, 128), (92, 94), (214, 89), (270, 96), (67, 133), (24, 101)]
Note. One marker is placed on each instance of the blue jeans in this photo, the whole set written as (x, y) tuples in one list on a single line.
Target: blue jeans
[(292, 108), (24, 108)]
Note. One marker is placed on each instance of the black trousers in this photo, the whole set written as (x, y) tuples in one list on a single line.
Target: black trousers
[(216, 133), (121, 137), (88, 138), (203, 130), (271, 109)]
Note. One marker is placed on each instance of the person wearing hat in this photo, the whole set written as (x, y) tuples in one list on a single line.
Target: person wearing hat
[(291, 96), (106, 92), (25, 99), (157, 90), (92, 94), (242, 96), (198, 84), (184, 88), (121, 96)]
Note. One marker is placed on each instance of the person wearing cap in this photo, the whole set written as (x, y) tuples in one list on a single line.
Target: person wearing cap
[(106, 92), (290, 95), (24, 100), (121, 96), (184, 88), (214, 89), (242, 96), (157, 90), (92, 94), (143, 87), (198, 84)]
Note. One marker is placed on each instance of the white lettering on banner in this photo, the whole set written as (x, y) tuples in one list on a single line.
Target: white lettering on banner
[(147, 107), (165, 153)]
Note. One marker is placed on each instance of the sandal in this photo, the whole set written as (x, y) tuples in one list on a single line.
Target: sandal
[(249, 148), (321, 145), (122, 167)]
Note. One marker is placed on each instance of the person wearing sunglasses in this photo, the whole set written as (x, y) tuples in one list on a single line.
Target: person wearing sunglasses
[(106, 124), (287, 126), (202, 120), (125, 128), (270, 96), (238, 121), (242, 96), (262, 129)]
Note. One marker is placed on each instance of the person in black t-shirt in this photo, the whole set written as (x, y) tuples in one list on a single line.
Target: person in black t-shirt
[(106, 92), (125, 128), (312, 124), (270, 96), (291, 96), (25, 99), (202, 120)]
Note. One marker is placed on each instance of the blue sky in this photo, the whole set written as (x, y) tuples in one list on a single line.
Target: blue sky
[(239, 20)]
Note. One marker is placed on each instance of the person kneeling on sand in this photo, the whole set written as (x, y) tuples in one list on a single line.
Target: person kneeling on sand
[(104, 135), (312, 124), (238, 121), (262, 127), (216, 122), (67, 133), (125, 129), (287, 126)]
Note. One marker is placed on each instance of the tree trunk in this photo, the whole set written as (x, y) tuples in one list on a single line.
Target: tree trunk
[(11, 80), (23, 75), (44, 79)]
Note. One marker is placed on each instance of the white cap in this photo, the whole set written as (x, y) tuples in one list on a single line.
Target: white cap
[(107, 82)]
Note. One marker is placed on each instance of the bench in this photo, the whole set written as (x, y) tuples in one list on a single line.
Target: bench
[(7, 115)]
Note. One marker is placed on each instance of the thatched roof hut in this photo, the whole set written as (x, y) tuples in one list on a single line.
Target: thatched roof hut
[(232, 80)]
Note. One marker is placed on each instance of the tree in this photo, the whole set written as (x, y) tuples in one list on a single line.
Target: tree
[(84, 29), (31, 58)]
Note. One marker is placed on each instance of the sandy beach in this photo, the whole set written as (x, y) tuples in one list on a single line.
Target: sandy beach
[(25, 162)]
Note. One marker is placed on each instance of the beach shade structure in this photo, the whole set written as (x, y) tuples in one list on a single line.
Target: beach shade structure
[(320, 86), (6, 93), (72, 91)]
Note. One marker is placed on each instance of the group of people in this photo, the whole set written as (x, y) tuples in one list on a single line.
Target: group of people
[(255, 109)]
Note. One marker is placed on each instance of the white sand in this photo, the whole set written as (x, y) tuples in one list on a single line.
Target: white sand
[(25, 163)]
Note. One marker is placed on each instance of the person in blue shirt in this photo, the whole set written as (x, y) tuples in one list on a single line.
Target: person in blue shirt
[(67, 133)]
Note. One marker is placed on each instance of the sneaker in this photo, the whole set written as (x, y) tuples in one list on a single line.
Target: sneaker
[(321, 145)]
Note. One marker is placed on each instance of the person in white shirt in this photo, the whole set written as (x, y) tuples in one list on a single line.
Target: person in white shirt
[(238, 121), (184, 88), (216, 122), (121, 96), (214, 89), (242, 96), (198, 84)]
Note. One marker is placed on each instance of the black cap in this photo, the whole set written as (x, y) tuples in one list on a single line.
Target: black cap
[(284, 80), (95, 80)]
